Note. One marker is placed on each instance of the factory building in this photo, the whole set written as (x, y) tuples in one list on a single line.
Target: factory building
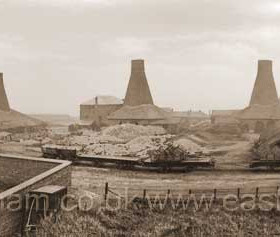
[(264, 108), (137, 107), (97, 109)]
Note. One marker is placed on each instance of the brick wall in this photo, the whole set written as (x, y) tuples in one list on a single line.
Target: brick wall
[(97, 113), (59, 173), (16, 171)]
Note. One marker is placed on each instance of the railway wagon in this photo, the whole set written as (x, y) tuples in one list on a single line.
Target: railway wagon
[(134, 162), (270, 164), (60, 152)]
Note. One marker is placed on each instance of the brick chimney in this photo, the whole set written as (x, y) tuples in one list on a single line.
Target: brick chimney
[(264, 92), (138, 91), (4, 104)]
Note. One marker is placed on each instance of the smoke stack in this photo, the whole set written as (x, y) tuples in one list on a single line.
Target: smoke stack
[(264, 92), (138, 91), (4, 104)]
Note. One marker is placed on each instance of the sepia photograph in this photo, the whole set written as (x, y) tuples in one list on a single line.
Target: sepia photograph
[(139, 118)]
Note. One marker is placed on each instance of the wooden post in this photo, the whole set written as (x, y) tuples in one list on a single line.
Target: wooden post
[(215, 195), (190, 192), (106, 191), (144, 194), (257, 192), (238, 193), (168, 194)]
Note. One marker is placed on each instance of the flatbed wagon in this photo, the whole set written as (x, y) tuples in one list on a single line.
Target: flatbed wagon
[(60, 152), (190, 164), (271, 164), (134, 162)]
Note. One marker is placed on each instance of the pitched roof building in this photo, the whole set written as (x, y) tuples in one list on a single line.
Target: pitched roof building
[(136, 113)]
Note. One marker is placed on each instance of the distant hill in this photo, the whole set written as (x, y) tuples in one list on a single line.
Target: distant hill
[(13, 120), (55, 119)]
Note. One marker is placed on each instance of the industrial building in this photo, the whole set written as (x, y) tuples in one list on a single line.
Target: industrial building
[(141, 114), (264, 108), (97, 109), (137, 107)]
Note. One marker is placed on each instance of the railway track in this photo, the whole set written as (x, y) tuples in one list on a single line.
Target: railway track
[(71, 154)]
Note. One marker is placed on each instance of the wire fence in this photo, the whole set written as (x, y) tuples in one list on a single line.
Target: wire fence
[(111, 192)]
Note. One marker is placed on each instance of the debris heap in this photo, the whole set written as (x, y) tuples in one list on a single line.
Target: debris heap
[(168, 152), (268, 145)]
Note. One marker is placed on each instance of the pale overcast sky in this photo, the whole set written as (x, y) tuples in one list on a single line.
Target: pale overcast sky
[(199, 54)]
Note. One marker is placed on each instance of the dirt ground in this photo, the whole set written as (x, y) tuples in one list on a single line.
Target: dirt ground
[(231, 172), (93, 180)]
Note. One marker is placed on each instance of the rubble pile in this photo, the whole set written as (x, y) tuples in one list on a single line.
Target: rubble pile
[(91, 139), (189, 146), (169, 151), (141, 146), (129, 131), (137, 147), (106, 149), (120, 140), (268, 145)]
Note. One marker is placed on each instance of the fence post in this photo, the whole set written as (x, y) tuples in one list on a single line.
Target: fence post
[(215, 195), (168, 194), (238, 193), (257, 192), (106, 191), (144, 194)]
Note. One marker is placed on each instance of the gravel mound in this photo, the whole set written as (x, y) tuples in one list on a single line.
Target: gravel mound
[(129, 131)]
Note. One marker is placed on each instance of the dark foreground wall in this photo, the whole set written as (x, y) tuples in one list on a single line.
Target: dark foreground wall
[(16, 171), (30, 175)]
